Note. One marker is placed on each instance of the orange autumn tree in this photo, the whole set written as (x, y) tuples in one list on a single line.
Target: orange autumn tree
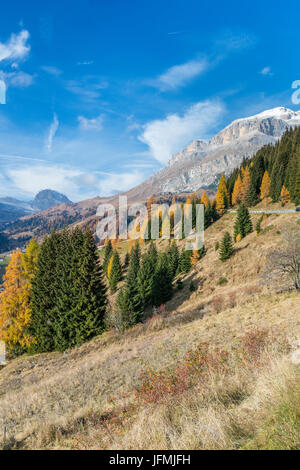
[(284, 195), (222, 196), (204, 199), (245, 184), (15, 308), (237, 191), (265, 186)]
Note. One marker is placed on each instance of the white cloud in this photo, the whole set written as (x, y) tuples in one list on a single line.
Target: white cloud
[(86, 62), (266, 71), (52, 131), (170, 135), (179, 75), (17, 79), (91, 124), (16, 47), (52, 70)]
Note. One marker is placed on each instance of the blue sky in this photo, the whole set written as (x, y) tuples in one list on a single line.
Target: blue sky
[(101, 93)]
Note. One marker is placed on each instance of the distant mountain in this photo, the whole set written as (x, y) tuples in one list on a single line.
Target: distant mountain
[(200, 164), (48, 198), (12, 209)]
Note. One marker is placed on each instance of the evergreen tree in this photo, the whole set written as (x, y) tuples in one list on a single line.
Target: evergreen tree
[(68, 292), (162, 282), (129, 300), (126, 260), (185, 263), (226, 248), (243, 224), (44, 292), (145, 280), (115, 275), (173, 258), (296, 190)]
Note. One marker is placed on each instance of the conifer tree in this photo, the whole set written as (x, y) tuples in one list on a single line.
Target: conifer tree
[(108, 251), (243, 224), (204, 199), (145, 280), (115, 274), (129, 300), (44, 285), (185, 261), (15, 306), (173, 258), (126, 260), (226, 248), (222, 196), (296, 190), (284, 195), (265, 186), (245, 184), (162, 282), (237, 191)]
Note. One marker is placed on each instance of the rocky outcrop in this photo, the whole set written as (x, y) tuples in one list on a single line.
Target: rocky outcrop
[(201, 163)]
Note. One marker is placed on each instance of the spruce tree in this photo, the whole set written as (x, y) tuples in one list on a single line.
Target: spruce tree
[(296, 189), (145, 279), (43, 294), (129, 300), (226, 248), (243, 224), (185, 263), (173, 258), (115, 275), (162, 283)]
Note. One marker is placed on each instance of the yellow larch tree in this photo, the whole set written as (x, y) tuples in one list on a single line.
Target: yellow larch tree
[(237, 191), (245, 184), (265, 186), (222, 196), (204, 199), (284, 195)]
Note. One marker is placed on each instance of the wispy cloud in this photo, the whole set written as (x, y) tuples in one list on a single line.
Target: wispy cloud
[(17, 79), (51, 69), (86, 62), (266, 71), (52, 131), (179, 75), (91, 124), (16, 48), (88, 88), (168, 136)]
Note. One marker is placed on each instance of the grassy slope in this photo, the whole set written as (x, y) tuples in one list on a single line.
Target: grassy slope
[(86, 398)]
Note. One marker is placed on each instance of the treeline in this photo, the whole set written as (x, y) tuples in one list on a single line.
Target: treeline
[(274, 172)]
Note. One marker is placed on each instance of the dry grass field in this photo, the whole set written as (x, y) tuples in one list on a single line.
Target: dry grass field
[(218, 367)]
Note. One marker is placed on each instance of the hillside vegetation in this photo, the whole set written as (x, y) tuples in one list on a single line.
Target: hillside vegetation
[(217, 368)]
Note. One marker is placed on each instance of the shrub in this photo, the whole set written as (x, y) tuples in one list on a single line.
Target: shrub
[(162, 386), (222, 280), (218, 303), (192, 287)]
